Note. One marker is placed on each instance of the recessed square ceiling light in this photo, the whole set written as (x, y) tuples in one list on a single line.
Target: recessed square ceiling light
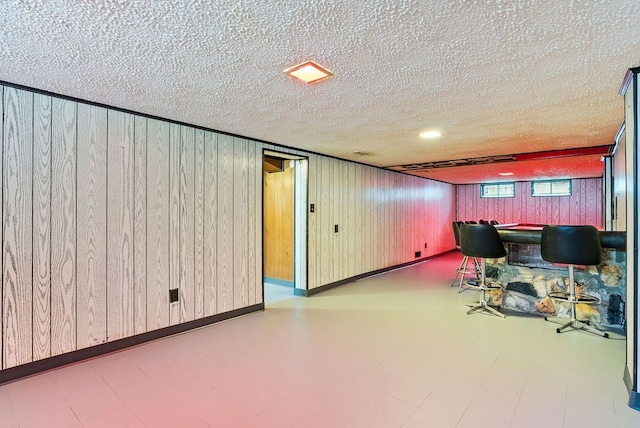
[(431, 134), (309, 72)]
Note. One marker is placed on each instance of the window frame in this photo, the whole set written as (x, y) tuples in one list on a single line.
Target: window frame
[(498, 194), (551, 192)]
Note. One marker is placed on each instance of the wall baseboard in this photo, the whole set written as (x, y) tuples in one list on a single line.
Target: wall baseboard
[(39, 366), (316, 290), (634, 396)]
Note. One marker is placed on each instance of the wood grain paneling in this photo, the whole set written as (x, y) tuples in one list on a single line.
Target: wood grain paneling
[(349, 202), (63, 227), (210, 223), (120, 225), (312, 221), (17, 224), (240, 223), (175, 143), (225, 229), (187, 224), (253, 173), (324, 211), (384, 219), (199, 225), (278, 224), (41, 226), (105, 211), (140, 226), (584, 206), (92, 231), (3, 136), (158, 282)]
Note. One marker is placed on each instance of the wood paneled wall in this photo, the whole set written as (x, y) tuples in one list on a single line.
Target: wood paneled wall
[(104, 211), (383, 219), (278, 224), (619, 185), (584, 206)]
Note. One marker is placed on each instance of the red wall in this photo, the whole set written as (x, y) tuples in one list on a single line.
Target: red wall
[(584, 206)]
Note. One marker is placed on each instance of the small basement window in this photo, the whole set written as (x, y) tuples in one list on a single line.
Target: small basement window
[(498, 190), (551, 188)]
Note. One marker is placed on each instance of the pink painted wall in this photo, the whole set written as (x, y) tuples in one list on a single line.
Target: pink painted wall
[(584, 206)]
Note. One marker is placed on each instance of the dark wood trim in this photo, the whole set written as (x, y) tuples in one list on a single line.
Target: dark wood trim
[(14, 373), (311, 292)]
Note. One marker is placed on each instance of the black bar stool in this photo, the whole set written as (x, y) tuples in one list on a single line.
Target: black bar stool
[(573, 245), (482, 240), (464, 269)]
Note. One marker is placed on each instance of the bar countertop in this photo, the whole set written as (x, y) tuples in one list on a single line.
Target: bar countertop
[(608, 239)]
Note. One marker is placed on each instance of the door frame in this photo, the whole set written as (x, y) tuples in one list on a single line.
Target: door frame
[(301, 222)]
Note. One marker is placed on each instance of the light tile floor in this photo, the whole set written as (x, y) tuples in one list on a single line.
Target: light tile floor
[(276, 292), (394, 350)]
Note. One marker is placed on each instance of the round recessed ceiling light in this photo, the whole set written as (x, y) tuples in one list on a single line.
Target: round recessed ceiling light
[(431, 134), (505, 173)]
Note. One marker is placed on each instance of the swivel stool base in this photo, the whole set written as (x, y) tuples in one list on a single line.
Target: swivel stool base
[(572, 245), (574, 323)]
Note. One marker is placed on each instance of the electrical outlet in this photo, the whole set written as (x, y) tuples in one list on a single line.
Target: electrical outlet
[(312, 208), (173, 295), (335, 228)]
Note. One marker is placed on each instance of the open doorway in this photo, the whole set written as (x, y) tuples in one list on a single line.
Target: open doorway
[(284, 226)]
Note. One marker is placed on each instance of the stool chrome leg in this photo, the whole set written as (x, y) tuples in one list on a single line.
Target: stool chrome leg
[(460, 269), (574, 323), (482, 305), (464, 270)]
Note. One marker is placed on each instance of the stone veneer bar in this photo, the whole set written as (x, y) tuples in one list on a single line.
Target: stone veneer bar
[(527, 284)]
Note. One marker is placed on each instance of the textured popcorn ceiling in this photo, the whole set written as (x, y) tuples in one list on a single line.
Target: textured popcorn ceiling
[(496, 77)]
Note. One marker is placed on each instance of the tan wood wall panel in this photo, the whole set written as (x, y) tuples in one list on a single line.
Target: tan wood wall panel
[(584, 206), (158, 283), (258, 223), (41, 226), (619, 190), (199, 159), (350, 208), (120, 225), (187, 224), (140, 226), (325, 213), (210, 223), (2, 134), (253, 169), (278, 224), (240, 223), (92, 231), (175, 142), (381, 218), (384, 219), (339, 212), (63, 227), (312, 223), (336, 208), (17, 223), (225, 224)]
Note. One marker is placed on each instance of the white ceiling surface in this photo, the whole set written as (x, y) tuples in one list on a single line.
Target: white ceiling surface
[(496, 77)]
